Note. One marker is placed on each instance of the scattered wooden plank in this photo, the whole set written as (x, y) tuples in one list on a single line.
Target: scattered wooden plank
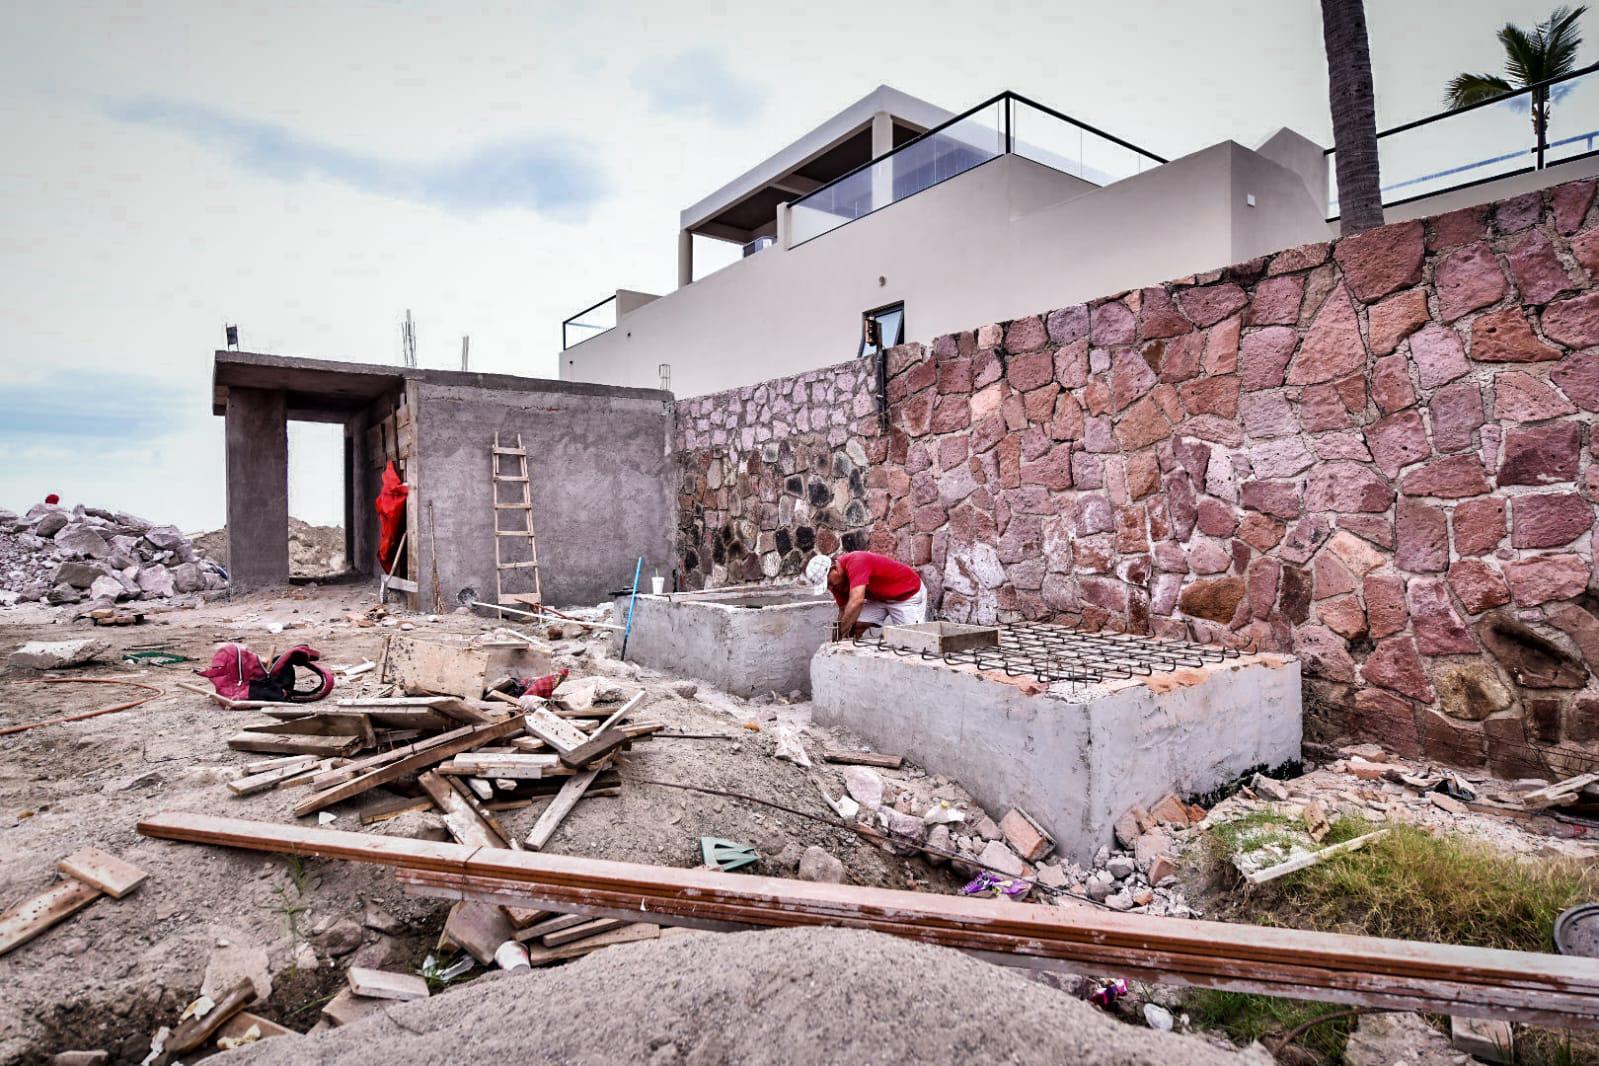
[(559, 808), (599, 747), (523, 917), (197, 1029), (360, 766), (471, 737), (267, 779), (1559, 793), (541, 929), (291, 744), (459, 817), (104, 871), (483, 813), (32, 916), (479, 929), (621, 713), (863, 758), (543, 956), (261, 766), (582, 931), (389, 808), (236, 705), (512, 767), (383, 984), (1314, 858), (557, 732)]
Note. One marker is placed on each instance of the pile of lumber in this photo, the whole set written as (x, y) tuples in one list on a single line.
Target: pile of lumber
[(1368, 971)]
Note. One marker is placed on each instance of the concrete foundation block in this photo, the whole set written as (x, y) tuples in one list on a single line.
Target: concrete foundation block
[(1074, 756)]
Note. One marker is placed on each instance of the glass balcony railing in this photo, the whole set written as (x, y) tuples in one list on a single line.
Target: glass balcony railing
[(589, 322), (1433, 154), (1007, 124)]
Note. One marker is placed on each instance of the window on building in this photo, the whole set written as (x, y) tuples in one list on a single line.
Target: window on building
[(882, 328)]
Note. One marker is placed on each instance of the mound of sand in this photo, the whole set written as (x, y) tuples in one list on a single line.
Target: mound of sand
[(782, 997)]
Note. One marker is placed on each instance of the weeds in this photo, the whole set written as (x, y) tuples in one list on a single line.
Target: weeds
[(1409, 885)]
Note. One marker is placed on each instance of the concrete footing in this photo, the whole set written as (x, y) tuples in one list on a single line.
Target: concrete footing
[(746, 642), (1075, 756)]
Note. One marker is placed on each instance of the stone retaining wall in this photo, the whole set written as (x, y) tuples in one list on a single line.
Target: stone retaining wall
[(1376, 453)]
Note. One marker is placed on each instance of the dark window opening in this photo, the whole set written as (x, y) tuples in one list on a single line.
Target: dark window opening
[(882, 328)]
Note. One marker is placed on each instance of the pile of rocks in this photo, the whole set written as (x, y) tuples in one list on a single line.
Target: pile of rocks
[(92, 555)]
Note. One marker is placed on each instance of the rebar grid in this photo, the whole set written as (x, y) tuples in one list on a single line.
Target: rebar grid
[(1054, 653)]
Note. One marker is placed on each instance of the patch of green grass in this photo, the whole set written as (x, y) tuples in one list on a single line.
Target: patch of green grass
[(1245, 1017), (1409, 885)]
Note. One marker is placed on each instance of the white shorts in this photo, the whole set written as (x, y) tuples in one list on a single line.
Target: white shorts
[(896, 612)]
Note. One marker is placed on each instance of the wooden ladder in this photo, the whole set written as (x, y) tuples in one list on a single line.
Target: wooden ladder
[(505, 562)]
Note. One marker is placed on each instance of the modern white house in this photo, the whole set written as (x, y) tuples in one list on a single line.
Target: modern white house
[(897, 221)]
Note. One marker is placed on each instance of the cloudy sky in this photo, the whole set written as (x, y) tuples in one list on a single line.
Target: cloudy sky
[(312, 170)]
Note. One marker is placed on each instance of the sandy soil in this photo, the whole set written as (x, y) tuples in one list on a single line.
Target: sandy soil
[(791, 996), (108, 977)]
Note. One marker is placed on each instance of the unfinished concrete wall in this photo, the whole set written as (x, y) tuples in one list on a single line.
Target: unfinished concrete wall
[(257, 434), (749, 645), (1377, 453), (600, 474), (1075, 760)]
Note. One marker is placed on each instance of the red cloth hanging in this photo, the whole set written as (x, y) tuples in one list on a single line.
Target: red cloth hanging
[(391, 517)]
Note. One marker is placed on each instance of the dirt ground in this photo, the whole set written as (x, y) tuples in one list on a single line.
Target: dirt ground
[(111, 975)]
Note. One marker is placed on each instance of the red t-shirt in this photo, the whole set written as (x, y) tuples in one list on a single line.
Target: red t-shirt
[(887, 580)]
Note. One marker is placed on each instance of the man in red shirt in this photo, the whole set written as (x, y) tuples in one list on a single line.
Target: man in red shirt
[(870, 590)]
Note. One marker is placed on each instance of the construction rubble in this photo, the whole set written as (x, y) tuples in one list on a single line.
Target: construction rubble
[(96, 558)]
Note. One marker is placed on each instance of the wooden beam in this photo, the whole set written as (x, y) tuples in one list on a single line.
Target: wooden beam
[(1482, 982), (601, 746), (1313, 858), (863, 758)]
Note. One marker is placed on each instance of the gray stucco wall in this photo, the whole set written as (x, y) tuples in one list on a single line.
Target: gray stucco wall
[(258, 488), (601, 485)]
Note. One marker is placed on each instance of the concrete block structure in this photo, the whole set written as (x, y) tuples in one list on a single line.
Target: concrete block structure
[(1075, 756), (599, 471), (749, 642)]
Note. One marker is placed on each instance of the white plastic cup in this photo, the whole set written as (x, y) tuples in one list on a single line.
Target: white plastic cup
[(512, 956), (658, 585)]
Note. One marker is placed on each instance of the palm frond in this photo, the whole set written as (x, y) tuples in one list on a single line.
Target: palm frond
[(1523, 54), (1464, 90), (1561, 39)]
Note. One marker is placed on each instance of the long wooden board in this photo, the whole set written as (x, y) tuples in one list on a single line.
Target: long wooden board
[(294, 744), (1482, 982), (473, 737), (551, 817), (34, 915)]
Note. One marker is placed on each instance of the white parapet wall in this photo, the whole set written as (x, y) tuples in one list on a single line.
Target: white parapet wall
[(748, 642), (1075, 756)]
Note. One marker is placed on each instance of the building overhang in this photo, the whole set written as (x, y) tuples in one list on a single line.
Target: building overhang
[(746, 207)]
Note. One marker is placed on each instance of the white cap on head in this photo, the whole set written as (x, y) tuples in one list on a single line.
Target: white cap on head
[(816, 571)]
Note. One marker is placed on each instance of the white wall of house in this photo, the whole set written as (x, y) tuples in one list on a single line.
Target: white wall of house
[(1006, 239)]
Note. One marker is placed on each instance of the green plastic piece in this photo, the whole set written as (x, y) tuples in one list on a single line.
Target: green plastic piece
[(727, 855)]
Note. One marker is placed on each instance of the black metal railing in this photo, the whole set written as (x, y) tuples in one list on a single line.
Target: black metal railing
[(1421, 158), (1007, 124), (589, 322)]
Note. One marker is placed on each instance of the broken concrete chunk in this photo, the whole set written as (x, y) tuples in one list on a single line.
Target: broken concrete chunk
[(1482, 1038), (235, 958), (53, 655), (164, 538), (939, 840), (1130, 825), (818, 865), (987, 828), (81, 541), (905, 831), (864, 785), (1120, 867), (106, 587), (51, 524), (78, 575), (1150, 846), (1170, 810), (188, 577), (1000, 858), (1269, 788), (156, 580), (343, 937)]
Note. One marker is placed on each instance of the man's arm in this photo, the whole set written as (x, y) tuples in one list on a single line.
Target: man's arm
[(852, 610)]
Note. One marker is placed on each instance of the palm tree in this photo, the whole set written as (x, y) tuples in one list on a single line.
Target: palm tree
[(1354, 114), (1548, 50)]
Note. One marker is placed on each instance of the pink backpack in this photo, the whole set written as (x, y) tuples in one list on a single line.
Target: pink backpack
[(238, 674)]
